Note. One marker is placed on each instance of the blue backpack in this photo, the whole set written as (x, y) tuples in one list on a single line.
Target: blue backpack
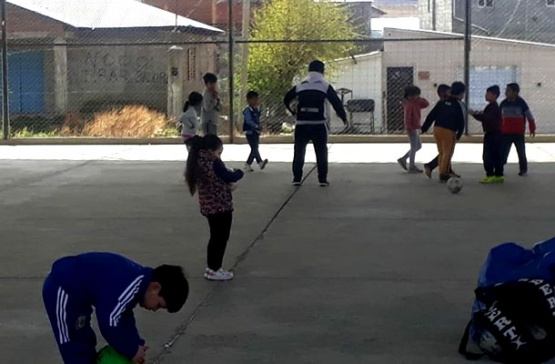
[(513, 317)]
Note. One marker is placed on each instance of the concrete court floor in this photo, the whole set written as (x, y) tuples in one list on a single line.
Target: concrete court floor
[(378, 268)]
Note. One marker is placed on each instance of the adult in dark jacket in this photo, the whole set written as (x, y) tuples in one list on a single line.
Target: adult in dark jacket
[(311, 120), (449, 118)]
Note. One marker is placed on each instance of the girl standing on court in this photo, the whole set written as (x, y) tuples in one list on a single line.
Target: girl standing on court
[(189, 119), (207, 174), (412, 107)]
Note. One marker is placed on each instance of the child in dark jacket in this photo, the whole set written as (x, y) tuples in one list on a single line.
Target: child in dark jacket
[(252, 129), (443, 92), (493, 143), (113, 285), (449, 118), (207, 174)]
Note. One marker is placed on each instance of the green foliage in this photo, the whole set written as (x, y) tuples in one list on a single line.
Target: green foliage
[(274, 66)]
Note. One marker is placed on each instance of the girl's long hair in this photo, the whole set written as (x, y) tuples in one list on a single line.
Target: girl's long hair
[(192, 169), (194, 100)]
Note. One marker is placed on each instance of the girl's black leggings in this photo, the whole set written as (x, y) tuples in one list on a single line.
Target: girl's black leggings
[(220, 229)]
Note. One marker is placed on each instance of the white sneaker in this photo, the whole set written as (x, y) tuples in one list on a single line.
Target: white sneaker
[(247, 168), (219, 275)]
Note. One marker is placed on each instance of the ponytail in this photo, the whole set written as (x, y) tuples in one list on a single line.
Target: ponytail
[(191, 169), (186, 106), (198, 143)]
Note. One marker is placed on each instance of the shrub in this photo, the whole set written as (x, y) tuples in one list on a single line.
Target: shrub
[(131, 121)]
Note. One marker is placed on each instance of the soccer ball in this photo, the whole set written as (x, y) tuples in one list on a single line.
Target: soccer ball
[(455, 184)]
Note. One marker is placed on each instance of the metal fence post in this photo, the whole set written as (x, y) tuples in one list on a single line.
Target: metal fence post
[(5, 99), (231, 116), (467, 49)]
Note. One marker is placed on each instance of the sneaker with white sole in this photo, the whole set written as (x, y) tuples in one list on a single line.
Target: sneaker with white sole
[(247, 168), (296, 183), (219, 275)]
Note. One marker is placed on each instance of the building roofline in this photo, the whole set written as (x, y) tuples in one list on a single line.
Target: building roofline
[(482, 37)]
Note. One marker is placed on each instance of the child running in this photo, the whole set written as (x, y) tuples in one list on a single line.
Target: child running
[(493, 144), (189, 118), (207, 174), (443, 92), (413, 105), (113, 285), (252, 129), (448, 117)]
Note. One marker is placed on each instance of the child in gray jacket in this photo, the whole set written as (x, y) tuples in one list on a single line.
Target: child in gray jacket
[(189, 118), (211, 105)]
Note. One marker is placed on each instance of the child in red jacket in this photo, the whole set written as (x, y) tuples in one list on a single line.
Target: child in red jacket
[(515, 113), (413, 106)]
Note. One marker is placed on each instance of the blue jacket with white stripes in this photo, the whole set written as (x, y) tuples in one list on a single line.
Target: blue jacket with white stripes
[(312, 94), (114, 285)]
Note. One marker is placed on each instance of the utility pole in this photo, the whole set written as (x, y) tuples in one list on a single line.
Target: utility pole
[(5, 88), (467, 49), (245, 33)]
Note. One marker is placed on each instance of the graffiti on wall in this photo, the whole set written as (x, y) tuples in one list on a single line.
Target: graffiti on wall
[(118, 68)]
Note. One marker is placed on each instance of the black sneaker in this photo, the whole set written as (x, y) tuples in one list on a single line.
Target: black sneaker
[(522, 173), (323, 183), (262, 164), (443, 179), (428, 171), (297, 183)]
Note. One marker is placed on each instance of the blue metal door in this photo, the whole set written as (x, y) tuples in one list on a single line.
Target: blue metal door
[(26, 82)]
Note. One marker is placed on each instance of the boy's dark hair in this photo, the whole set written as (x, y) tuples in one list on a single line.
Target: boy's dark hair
[(494, 90), (515, 87), (443, 89), (194, 100), (412, 91), (251, 95), (458, 88), (198, 143), (209, 78), (174, 286), (316, 66)]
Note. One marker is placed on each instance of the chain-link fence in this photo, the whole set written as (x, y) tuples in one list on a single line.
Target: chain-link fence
[(124, 68)]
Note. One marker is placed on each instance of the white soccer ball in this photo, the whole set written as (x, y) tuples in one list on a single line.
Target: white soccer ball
[(455, 184)]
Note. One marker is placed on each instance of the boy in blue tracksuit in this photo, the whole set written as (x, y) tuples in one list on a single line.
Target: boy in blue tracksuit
[(252, 129), (114, 285)]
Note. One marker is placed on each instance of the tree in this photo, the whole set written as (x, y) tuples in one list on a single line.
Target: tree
[(272, 66)]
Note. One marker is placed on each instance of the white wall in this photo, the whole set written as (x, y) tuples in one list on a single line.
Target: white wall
[(444, 15), (534, 64), (364, 79)]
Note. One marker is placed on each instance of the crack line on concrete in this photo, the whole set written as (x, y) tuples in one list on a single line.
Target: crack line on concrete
[(43, 177), (240, 258), (58, 172)]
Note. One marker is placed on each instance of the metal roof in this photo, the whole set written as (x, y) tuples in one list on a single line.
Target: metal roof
[(109, 14)]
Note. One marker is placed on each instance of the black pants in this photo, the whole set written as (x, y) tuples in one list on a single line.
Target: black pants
[(434, 163), (254, 142), (318, 134), (220, 229), (520, 144), (493, 154)]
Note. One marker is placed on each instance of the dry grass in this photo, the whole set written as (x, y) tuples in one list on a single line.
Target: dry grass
[(132, 121)]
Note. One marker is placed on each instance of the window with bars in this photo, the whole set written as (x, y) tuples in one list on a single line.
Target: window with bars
[(191, 64)]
